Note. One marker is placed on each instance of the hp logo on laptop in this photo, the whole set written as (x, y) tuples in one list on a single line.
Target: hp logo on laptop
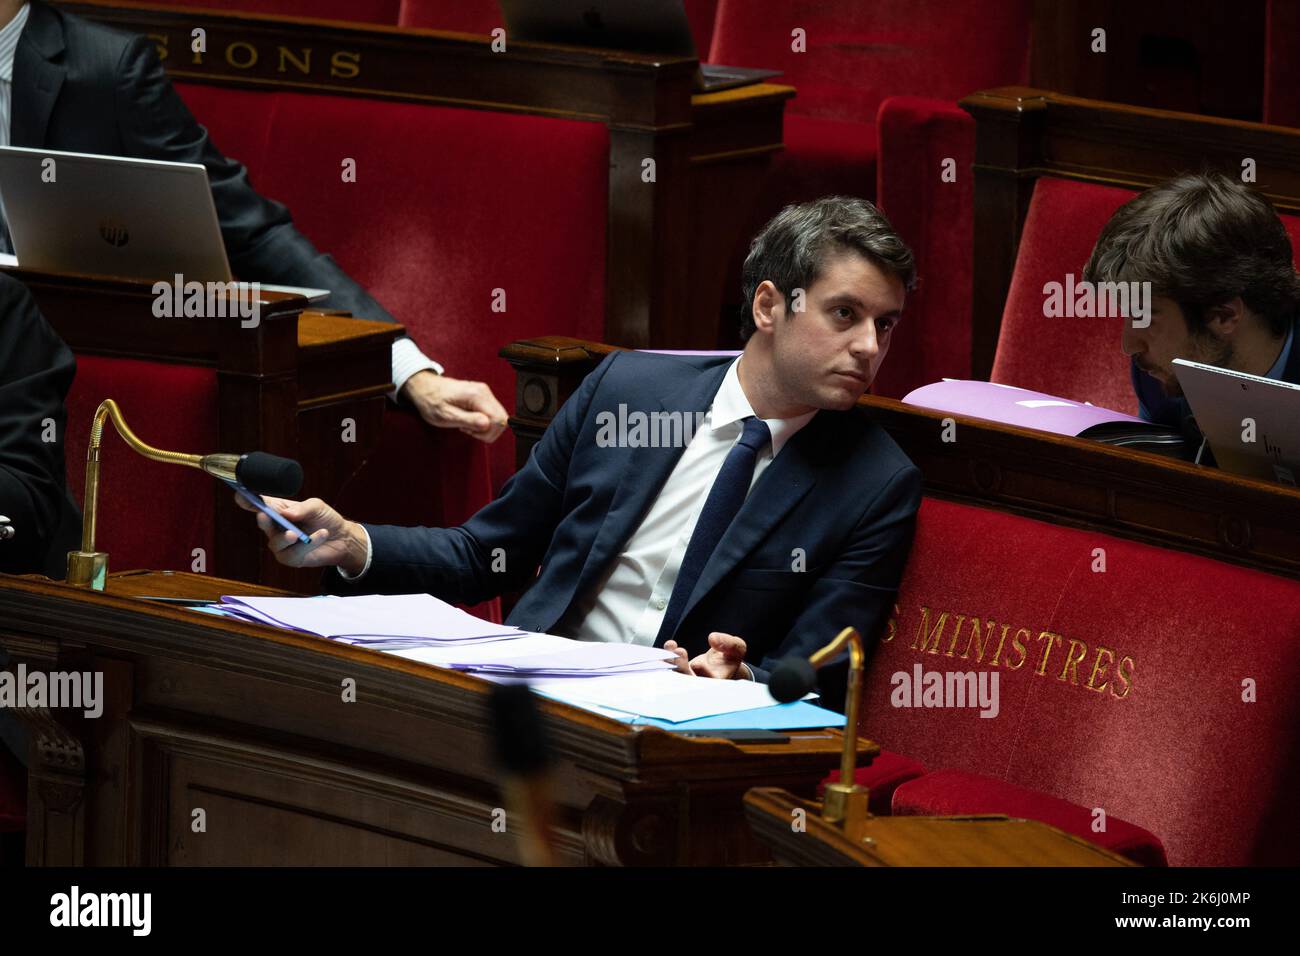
[(114, 233)]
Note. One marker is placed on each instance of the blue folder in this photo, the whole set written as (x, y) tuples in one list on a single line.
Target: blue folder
[(800, 715)]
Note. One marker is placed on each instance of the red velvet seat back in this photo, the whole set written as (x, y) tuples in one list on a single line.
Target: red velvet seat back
[(1075, 358), (151, 515), (859, 53), (1162, 737), (448, 206), (359, 11)]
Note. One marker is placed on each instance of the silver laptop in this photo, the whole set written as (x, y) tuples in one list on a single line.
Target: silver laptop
[(1251, 423), (110, 216), (638, 26)]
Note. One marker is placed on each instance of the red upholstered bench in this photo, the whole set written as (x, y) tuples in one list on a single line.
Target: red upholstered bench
[(955, 792), (882, 777), (1124, 689)]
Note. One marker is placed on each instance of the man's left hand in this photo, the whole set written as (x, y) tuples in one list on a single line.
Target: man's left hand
[(724, 660), (445, 402)]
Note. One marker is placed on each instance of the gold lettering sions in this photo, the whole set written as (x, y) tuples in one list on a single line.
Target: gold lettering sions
[(302, 65), (1047, 650), (979, 642), (1127, 678), (1001, 640), (345, 65), (243, 61), (919, 642), (1015, 642), (956, 633), (1098, 669), (1072, 661)]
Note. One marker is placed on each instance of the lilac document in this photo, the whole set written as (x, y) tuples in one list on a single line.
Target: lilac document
[(1014, 406), (396, 618)]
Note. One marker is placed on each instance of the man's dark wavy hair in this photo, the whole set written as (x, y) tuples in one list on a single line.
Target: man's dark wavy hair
[(1201, 240), (791, 249)]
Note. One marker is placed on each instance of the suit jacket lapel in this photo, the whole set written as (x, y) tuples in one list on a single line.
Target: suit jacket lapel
[(644, 475), (782, 486), (37, 79)]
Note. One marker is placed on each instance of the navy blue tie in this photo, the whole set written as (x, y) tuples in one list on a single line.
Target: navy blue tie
[(720, 508)]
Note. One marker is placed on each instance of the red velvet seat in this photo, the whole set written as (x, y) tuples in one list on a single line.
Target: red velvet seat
[(1137, 707), (859, 54), (936, 219), (883, 776), (151, 515), (955, 792), (448, 206)]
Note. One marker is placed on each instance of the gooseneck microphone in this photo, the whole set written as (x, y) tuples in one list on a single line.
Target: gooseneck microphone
[(257, 471), (846, 801)]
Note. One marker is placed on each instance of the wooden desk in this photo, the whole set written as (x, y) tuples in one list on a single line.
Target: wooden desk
[(282, 387), (913, 841), (1064, 480), (667, 244), (248, 724)]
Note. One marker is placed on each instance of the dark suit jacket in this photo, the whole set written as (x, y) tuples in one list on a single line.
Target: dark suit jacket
[(83, 87), (36, 370), (840, 490)]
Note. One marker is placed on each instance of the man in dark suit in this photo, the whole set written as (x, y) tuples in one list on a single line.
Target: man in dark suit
[(1224, 287), (82, 87), (637, 502)]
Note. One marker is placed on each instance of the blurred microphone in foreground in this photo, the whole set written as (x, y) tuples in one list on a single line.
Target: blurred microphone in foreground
[(523, 755), (845, 802)]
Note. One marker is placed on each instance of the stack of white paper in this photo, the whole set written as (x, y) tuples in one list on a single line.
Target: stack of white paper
[(377, 621), (667, 695), (581, 659)]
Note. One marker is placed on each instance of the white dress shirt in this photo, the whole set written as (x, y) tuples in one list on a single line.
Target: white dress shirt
[(628, 604)]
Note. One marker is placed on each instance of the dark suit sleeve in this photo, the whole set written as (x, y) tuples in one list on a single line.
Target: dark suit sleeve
[(261, 241), (858, 588), (36, 370), (500, 548)]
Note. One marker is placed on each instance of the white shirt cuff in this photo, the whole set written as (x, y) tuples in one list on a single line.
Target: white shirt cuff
[(370, 553), (407, 360)]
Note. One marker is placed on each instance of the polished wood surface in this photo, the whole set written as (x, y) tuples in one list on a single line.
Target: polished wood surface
[(798, 836), (667, 243), (1069, 481), (1022, 134), (247, 723), (283, 387)]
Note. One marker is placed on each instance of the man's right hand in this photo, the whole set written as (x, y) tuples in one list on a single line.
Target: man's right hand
[(335, 541)]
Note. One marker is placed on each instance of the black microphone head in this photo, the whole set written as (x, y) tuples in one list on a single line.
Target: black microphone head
[(792, 678), (517, 730), (265, 474)]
